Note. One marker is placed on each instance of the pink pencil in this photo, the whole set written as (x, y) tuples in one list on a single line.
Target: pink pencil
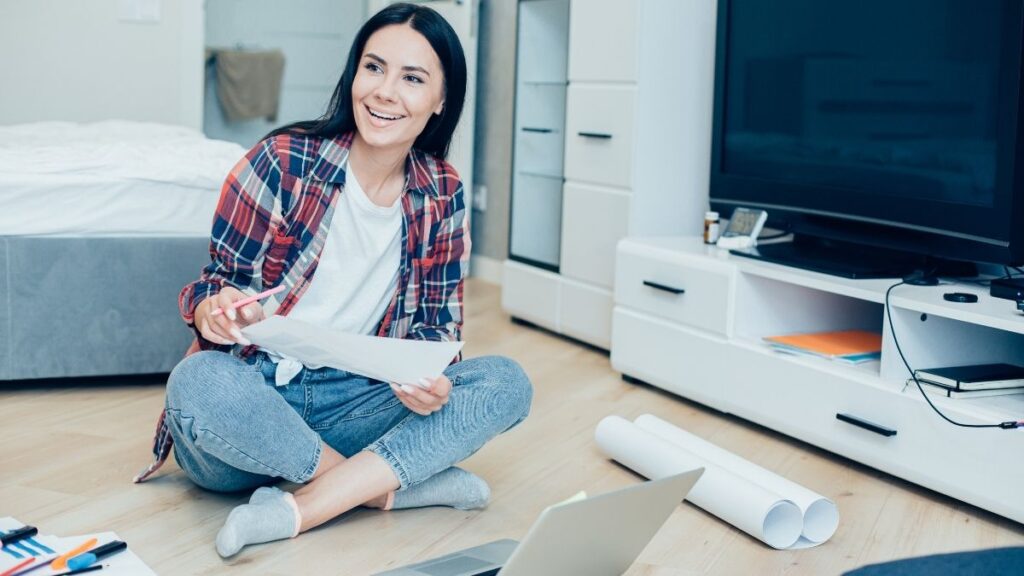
[(249, 300)]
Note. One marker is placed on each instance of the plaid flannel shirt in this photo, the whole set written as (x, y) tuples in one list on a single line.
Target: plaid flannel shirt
[(272, 221)]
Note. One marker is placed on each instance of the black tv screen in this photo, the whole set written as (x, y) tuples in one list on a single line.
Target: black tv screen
[(894, 123)]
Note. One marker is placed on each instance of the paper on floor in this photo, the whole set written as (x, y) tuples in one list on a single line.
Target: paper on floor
[(820, 515), (122, 564), (770, 508)]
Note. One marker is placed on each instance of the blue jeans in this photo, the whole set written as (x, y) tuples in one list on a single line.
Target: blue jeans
[(234, 430)]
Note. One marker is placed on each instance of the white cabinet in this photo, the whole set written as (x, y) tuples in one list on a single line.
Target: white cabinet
[(536, 218), (541, 69), (532, 291), (594, 219), (599, 134), (604, 41), (585, 313), (699, 333), (633, 146), (676, 290)]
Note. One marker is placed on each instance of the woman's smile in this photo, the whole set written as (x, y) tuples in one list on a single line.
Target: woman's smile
[(385, 119)]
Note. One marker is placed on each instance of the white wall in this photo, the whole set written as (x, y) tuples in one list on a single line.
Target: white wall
[(76, 60), (315, 36)]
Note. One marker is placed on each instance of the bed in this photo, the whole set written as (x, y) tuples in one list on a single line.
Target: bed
[(101, 225)]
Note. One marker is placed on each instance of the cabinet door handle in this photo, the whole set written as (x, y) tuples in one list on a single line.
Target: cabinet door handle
[(537, 130), (862, 423), (599, 135), (657, 286)]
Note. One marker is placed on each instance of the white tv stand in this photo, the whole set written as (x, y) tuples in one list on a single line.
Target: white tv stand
[(704, 343)]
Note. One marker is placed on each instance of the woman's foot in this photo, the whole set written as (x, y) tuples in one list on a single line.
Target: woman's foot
[(270, 515), (453, 487)]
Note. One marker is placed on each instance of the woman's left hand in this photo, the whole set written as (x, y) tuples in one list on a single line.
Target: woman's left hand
[(424, 401)]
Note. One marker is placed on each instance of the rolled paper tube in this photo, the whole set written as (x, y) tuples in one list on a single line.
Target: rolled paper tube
[(743, 504), (820, 515)]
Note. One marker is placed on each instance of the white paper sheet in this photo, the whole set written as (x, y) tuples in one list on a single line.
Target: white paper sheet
[(121, 564), (820, 515), (386, 359), (737, 500)]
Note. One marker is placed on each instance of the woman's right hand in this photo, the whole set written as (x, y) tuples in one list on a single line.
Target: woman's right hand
[(226, 327)]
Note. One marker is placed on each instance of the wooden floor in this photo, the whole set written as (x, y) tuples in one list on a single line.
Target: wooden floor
[(69, 449)]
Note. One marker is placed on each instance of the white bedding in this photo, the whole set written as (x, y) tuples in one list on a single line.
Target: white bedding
[(112, 178)]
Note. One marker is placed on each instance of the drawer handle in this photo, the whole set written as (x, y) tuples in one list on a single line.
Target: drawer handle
[(657, 286), (538, 130), (861, 423), (599, 135)]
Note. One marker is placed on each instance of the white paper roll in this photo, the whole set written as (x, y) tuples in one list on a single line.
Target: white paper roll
[(747, 506), (820, 515)]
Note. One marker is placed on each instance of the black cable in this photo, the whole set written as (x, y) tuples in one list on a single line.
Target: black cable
[(1008, 425)]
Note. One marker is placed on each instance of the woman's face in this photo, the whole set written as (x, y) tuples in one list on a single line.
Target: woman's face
[(398, 86)]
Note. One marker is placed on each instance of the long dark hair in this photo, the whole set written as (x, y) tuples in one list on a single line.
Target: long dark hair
[(437, 134)]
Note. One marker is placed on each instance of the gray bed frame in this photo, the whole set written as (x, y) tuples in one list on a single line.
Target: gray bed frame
[(74, 307)]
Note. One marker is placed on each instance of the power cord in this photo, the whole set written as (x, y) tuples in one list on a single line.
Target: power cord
[(1008, 425)]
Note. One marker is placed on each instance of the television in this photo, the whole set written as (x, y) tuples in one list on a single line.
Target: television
[(885, 135)]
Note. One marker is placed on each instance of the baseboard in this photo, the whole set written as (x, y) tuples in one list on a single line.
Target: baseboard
[(485, 268)]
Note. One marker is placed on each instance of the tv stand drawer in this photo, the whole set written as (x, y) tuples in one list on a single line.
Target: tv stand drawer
[(695, 294)]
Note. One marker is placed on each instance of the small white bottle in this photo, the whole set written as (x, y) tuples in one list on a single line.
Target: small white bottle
[(711, 226)]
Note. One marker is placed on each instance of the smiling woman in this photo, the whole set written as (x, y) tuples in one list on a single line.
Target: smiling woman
[(432, 42), (363, 222)]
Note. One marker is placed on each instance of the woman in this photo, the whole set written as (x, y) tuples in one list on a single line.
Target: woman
[(363, 221)]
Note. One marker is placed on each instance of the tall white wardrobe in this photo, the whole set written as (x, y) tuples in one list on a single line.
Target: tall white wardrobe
[(612, 139)]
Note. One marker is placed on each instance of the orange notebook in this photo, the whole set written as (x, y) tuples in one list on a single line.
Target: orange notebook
[(832, 344)]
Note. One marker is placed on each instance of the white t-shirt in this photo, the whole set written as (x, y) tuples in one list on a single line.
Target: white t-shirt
[(357, 274)]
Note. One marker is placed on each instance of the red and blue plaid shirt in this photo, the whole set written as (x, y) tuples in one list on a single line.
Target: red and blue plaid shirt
[(272, 221)]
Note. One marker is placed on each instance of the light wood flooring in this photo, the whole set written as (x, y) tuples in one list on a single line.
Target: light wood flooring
[(68, 450)]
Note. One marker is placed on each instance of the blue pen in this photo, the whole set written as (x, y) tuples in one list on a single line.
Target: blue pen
[(85, 560)]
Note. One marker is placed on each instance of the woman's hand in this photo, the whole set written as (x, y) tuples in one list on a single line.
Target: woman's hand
[(226, 327), (424, 401)]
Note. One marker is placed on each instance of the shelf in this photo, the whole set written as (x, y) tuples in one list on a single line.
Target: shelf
[(870, 290), (866, 373), (987, 410), (990, 409)]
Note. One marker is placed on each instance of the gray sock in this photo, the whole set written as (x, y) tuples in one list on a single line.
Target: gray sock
[(263, 494), (451, 487), (269, 516)]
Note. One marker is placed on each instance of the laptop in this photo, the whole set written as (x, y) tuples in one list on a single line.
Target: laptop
[(596, 536)]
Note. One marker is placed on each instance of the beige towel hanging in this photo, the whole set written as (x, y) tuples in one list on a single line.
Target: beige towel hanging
[(249, 83)]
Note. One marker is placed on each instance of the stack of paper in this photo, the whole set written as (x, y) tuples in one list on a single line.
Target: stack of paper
[(45, 548), (853, 346)]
